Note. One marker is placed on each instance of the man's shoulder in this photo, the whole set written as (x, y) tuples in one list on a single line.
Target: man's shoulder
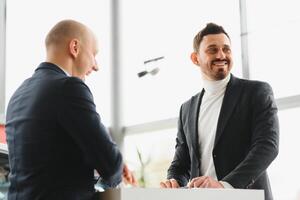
[(191, 102), (74, 87), (74, 83), (251, 83), (254, 90)]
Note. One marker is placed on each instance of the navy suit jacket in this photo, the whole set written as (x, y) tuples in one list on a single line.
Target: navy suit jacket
[(56, 139), (246, 139)]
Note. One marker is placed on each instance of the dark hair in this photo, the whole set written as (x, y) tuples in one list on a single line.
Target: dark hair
[(211, 28)]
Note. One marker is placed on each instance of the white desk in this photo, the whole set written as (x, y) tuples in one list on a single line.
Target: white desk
[(181, 194)]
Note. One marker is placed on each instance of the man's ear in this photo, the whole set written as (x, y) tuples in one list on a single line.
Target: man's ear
[(194, 58), (74, 47)]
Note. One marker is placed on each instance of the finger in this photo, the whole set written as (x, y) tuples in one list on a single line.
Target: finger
[(199, 181), (168, 183), (127, 175), (162, 185), (129, 179), (174, 183), (204, 184), (125, 180), (125, 169), (191, 183), (134, 181)]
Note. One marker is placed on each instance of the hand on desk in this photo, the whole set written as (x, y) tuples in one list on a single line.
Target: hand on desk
[(204, 182), (172, 183), (198, 182), (128, 177)]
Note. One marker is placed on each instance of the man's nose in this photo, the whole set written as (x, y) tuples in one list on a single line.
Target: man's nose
[(95, 66), (221, 54)]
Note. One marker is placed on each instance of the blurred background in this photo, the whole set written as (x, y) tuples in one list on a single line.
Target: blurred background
[(142, 112)]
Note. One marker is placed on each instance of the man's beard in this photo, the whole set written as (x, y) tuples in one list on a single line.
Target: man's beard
[(222, 72)]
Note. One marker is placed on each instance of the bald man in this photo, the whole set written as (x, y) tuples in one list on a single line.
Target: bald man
[(54, 134)]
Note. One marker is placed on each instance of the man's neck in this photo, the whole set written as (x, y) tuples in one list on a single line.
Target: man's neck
[(62, 64)]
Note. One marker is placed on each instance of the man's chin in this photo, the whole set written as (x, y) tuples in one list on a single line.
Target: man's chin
[(221, 74)]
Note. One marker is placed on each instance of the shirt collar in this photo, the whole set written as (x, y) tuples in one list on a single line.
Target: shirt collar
[(64, 71), (213, 87)]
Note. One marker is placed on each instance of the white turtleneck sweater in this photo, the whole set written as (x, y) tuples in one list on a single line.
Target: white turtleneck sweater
[(207, 124)]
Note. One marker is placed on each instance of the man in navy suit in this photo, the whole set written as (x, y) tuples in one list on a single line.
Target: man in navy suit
[(228, 133), (54, 134)]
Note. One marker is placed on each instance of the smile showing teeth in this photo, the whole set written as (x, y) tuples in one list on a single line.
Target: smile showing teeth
[(220, 63)]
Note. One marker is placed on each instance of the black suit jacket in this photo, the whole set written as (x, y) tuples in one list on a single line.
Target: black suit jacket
[(56, 140), (246, 139)]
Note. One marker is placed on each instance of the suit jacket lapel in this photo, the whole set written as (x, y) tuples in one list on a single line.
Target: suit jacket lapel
[(193, 121), (231, 97)]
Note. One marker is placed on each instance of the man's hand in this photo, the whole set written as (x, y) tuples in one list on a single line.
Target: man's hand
[(172, 183), (128, 177), (204, 182)]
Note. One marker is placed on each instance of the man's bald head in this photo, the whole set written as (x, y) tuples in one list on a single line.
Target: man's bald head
[(72, 46), (66, 30)]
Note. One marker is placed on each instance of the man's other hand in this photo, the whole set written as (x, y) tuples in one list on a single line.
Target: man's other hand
[(172, 183), (128, 177), (204, 182)]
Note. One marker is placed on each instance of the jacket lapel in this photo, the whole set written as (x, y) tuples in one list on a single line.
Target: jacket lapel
[(231, 97), (193, 121)]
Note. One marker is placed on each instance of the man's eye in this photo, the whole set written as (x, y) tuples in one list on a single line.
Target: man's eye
[(212, 50), (227, 50)]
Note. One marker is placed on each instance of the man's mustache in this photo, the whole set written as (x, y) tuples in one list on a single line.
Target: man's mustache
[(221, 60)]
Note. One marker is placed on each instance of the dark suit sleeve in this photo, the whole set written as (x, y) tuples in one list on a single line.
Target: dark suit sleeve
[(264, 140), (180, 166), (79, 118)]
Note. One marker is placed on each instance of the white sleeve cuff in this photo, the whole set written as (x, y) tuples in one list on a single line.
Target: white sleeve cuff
[(226, 185)]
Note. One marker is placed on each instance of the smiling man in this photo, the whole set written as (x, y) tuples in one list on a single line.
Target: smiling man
[(228, 133)]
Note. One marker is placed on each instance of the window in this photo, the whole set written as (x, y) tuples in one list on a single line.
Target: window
[(153, 29), (284, 171), (28, 23), (273, 44), (156, 150)]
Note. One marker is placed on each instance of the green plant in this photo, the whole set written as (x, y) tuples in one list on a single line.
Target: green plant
[(143, 164)]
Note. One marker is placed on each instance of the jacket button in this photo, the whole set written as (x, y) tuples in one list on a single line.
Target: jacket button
[(215, 155)]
